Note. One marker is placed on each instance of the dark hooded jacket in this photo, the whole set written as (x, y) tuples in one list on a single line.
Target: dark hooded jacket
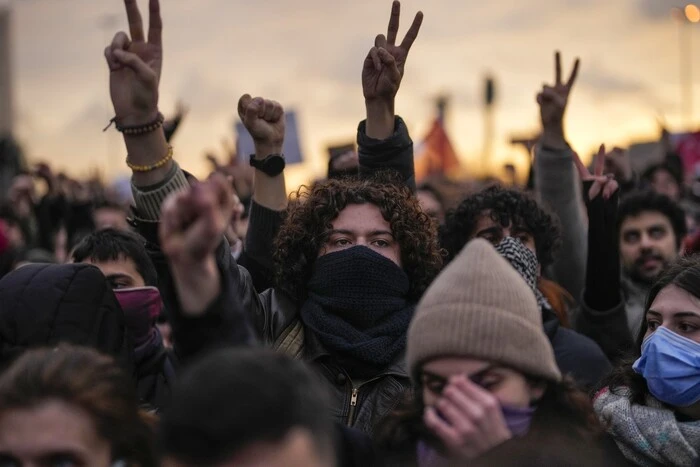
[(46, 304)]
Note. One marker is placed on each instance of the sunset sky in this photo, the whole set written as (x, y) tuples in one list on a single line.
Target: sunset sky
[(308, 55)]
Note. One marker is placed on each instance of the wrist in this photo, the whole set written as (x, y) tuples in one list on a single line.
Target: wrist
[(197, 284), (264, 149), (380, 119), (554, 138), (137, 118)]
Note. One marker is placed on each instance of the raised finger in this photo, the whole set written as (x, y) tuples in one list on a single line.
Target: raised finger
[(574, 74), (412, 33), (135, 22), (456, 395), (599, 161), (557, 68), (155, 23), (393, 29), (595, 189)]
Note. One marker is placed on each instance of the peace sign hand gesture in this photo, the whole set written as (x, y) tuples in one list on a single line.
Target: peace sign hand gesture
[(135, 66), (384, 66), (604, 184), (554, 99)]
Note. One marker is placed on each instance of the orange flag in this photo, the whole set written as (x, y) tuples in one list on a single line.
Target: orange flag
[(435, 155)]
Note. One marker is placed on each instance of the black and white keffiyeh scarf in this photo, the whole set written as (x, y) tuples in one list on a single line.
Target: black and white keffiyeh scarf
[(525, 262)]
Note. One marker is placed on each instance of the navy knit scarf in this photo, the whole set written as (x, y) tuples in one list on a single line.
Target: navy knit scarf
[(357, 306)]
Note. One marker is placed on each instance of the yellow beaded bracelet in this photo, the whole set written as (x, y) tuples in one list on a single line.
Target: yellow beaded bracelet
[(148, 168)]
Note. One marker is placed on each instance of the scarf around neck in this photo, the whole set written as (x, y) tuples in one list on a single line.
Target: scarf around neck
[(525, 262), (357, 306), (648, 435)]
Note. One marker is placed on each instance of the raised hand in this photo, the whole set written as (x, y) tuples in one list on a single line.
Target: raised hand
[(194, 221), (135, 66), (264, 120), (604, 184), (554, 99), (470, 422), (384, 66)]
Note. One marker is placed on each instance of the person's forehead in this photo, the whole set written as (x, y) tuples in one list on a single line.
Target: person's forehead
[(360, 217), (122, 265), (645, 219)]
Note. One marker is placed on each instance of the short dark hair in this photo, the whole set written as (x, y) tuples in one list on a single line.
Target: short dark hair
[(505, 204), (650, 172), (638, 202), (234, 398), (113, 244)]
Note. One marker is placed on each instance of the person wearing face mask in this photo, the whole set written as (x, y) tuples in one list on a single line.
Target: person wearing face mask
[(651, 403), (72, 406), (123, 259), (485, 376)]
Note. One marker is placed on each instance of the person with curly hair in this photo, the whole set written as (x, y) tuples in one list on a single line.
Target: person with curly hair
[(528, 236)]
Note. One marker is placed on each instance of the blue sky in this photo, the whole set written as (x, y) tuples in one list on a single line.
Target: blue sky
[(308, 55)]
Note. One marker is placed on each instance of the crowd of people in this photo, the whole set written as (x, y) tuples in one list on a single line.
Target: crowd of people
[(367, 319)]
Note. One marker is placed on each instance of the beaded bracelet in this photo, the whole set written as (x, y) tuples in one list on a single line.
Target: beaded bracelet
[(138, 129), (147, 168)]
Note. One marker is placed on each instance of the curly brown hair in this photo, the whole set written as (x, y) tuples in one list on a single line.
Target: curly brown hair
[(308, 222)]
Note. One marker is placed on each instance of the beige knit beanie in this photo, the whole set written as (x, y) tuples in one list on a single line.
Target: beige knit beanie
[(480, 307)]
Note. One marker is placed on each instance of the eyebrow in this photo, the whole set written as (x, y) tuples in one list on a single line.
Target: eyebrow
[(373, 233), (680, 314), (657, 226), (494, 229), (119, 275)]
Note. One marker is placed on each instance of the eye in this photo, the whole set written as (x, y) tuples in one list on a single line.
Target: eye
[(381, 243), (342, 242), (631, 237), (63, 460), (657, 233), (687, 327), (652, 324), (523, 237), (434, 384)]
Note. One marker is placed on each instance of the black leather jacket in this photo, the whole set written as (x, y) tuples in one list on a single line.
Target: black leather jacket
[(274, 317)]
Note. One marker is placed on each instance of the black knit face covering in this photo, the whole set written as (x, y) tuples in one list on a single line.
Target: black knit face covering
[(357, 305), (525, 262)]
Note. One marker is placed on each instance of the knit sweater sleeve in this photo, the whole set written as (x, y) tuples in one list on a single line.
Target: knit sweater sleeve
[(558, 187)]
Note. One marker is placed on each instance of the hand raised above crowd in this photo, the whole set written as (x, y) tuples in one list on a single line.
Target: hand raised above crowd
[(383, 71), (193, 223), (602, 183), (135, 66), (553, 100)]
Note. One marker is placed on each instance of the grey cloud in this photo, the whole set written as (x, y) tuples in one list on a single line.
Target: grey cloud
[(603, 81), (658, 9)]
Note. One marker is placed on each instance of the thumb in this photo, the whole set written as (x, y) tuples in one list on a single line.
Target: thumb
[(131, 60), (243, 104)]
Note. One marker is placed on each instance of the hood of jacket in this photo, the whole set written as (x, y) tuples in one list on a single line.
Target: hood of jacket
[(46, 304)]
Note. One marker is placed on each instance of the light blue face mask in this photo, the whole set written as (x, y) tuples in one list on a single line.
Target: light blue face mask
[(670, 364)]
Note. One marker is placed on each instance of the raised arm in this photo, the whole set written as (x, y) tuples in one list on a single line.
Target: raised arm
[(383, 139), (557, 184), (602, 314), (206, 308)]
